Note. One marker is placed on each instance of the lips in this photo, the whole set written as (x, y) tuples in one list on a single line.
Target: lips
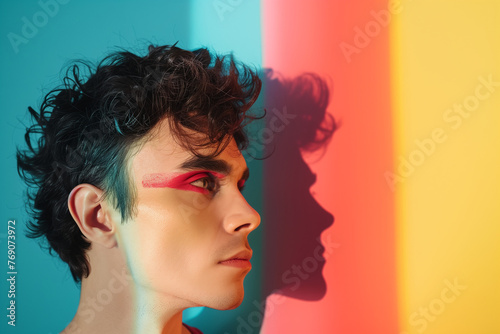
[(245, 255), (240, 260)]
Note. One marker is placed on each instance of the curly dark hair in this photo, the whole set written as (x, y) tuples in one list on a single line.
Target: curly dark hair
[(86, 129)]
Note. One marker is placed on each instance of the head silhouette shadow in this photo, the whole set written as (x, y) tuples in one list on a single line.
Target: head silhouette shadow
[(297, 124)]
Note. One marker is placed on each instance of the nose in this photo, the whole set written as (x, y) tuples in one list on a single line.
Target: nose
[(240, 217)]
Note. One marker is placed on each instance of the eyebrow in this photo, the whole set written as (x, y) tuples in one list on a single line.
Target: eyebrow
[(207, 163)]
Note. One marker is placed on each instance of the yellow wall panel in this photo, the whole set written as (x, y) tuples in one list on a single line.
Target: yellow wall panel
[(446, 89)]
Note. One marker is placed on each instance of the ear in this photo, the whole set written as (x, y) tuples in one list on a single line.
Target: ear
[(91, 215)]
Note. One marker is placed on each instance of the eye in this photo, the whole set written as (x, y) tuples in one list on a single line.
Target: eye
[(208, 182)]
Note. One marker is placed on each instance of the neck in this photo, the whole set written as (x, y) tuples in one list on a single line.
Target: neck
[(111, 302), (157, 316)]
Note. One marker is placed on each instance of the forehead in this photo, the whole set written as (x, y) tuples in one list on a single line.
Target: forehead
[(161, 152)]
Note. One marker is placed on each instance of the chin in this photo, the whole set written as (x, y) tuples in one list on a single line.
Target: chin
[(228, 300)]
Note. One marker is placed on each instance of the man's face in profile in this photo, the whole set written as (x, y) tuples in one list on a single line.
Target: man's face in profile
[(191, 219)]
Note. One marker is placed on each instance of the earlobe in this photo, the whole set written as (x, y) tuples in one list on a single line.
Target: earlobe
[(90, 214)]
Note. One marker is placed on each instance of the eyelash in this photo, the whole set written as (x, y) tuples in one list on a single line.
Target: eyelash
[(213, 184)]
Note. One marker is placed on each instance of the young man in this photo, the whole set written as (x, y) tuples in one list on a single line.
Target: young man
[(136, 175)]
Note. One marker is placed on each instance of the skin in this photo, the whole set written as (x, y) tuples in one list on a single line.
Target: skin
[(169, 253)]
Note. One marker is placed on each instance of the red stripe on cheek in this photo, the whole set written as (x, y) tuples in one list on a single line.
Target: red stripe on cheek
[(157, 180), (182, 182), (177, 180)]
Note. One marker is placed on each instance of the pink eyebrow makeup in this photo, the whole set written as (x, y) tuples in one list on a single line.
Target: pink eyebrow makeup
[(181, 181)]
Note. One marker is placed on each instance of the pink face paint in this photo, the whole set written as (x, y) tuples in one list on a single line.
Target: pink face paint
[(181, 181), (241, 183)]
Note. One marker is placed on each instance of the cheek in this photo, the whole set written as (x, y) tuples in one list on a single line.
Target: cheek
[(172, 237), (150, 244)]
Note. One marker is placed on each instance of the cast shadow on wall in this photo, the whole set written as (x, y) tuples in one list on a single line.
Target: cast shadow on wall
[(293, 252), (296, 125)]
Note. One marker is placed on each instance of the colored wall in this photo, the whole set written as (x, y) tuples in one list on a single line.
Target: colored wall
[(379, 196)]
